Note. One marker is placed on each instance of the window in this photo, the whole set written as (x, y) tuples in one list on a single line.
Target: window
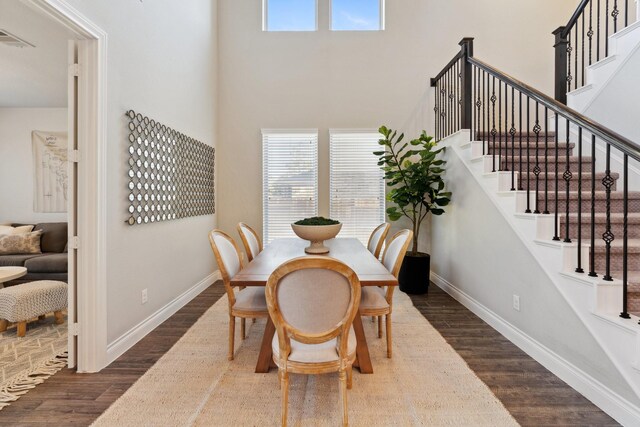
[(357, 15), (356, 183), (289, 179), (289, 15)]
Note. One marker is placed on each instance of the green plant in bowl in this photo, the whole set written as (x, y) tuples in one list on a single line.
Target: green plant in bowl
[(316, 230), (317, 220)]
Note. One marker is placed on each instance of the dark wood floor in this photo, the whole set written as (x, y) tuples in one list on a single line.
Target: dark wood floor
[(70, 399), (532, 394)]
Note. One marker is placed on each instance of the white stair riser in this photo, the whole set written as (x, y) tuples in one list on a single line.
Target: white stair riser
[(596, 302)]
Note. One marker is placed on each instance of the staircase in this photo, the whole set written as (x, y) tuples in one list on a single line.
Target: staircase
[(569, 188), (533, 158)]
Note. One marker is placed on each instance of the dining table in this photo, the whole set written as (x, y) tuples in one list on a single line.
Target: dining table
[(370, 272)]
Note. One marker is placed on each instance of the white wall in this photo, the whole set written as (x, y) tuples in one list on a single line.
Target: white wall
[(161, 63), (330, 79), (617, 104), (16, 161), (476, 250)]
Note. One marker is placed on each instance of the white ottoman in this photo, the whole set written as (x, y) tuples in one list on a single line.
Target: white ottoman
[(33, 299)]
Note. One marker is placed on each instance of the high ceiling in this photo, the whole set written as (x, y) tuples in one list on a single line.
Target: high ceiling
[(32, 76)]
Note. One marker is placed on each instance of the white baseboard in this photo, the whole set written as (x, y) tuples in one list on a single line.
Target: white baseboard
[(606, 399), (135, 334)]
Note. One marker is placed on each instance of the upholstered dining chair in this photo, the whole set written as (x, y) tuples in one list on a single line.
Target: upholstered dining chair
[(250, 240), (248, 302), (376, 240), (378, 301), (312, 301)]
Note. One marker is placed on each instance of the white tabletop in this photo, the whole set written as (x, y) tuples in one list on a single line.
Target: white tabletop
[(10, 273)]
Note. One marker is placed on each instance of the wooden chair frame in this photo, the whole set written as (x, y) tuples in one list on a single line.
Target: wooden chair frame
[(231, 296), (383, 236), (245, 242), (386, 311), (344, 364)]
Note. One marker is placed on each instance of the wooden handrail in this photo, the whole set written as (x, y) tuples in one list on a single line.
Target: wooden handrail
[(615, 139), (574, 18)]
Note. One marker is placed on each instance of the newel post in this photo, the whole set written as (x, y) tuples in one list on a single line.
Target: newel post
[(560, 73), (466, 45)]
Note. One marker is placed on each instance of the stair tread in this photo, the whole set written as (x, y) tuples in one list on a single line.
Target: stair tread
[(602, 216), (551, 158), (633, 278), (616, 245), (585, 175), (600, 194)]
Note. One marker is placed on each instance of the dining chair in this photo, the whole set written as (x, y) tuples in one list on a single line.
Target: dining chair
[(248, 302), (250, 240), (312, 301), (376, 240), (378, 301)]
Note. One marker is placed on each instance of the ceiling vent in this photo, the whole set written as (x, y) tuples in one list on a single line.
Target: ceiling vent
[(9, 39)]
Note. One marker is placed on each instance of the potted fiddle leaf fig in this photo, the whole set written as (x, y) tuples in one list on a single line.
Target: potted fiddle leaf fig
[(413, 171)]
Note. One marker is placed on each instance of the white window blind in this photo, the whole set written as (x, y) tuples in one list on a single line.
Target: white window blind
[(289, 179), (357, 184)]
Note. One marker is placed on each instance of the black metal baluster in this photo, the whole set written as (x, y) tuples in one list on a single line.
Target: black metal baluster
[(442, 109), (474, 119), (579, 267), (528, 161), (567, 178), (513, 139), (445, 111), (493, 122), (569, 49), (448, 101), (456, 105), (520, 172), (590, 32), (436, 111), (582, 49), (606, 30), (626, 13), (592, 260), (625, 237), (487, 101), (479, 121), (608, 236), (546, 160), (500, 136), (576, 59), (598, 33), (512, 131), (614, 13), (536, 170), (506, 124), (555, 210), (454, 97), (459, 98)]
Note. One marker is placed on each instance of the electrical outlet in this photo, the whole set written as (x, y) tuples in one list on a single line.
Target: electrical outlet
[(516, 303), (145, 297)]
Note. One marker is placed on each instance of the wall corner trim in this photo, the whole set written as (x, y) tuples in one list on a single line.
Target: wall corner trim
[(606, 399), (127, 340)]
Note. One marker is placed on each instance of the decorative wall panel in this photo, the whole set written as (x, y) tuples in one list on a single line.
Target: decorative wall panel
[(170, 175)]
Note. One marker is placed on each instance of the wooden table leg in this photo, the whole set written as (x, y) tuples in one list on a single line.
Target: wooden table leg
[(265, 358), (363, 360)]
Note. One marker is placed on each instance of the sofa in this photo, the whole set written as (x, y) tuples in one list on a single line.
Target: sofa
[(51, 264)]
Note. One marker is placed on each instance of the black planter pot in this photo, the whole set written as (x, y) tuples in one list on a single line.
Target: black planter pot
[(414, 273)]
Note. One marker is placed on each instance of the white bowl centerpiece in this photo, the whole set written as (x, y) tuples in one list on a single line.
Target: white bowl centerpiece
[(316, 230)]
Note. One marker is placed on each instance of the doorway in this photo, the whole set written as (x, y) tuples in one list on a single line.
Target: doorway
[(86, 92)]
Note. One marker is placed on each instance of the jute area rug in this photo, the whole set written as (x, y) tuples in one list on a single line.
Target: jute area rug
[(425, 383), (28, 361)]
